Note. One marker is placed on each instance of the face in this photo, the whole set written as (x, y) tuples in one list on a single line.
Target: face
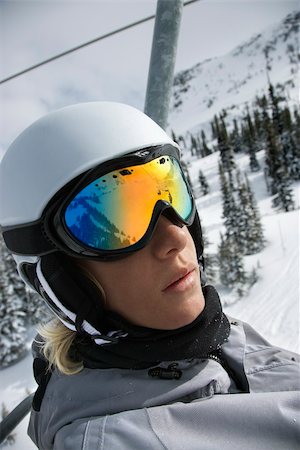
[(158, 286)]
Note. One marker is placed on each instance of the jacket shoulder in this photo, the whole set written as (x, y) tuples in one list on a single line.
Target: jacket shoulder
[(261, 421), (268, 368)]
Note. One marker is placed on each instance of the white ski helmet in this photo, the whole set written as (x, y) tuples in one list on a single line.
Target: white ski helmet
[(50, 154)]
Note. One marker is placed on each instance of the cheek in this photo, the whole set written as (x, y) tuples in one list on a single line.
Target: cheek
[(124, 286), (131, 301)]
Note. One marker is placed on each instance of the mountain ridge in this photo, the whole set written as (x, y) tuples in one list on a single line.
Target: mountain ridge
[(236, 78)]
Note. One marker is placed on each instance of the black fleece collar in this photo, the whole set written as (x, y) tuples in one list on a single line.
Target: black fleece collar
[(145, 347)]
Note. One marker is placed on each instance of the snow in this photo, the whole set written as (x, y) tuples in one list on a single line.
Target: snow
[(16, 383), (272, 304)]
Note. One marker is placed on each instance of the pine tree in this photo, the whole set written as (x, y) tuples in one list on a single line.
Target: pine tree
[(277, 171), (232, 272), (258, 124), (237, 274), (283, 199), (193, 146), (255, 240), (264, 116), (13, 278), (272, 152), (296, 127), (241, 215), (229, 206), (204, 187), (291, 151), (226, 152), (223, 252), (19, 309), (12, 326), (281, 139), (174, 137), (287, 155), (287, 119), (276, 113), (196, 148), (290, 156), (223, 142), (215, 128), (12, 315), (206, 150), (224, 187), (236, 138), (210, 260), (251, 143)]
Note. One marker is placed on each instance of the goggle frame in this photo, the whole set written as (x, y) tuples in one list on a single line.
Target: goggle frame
[(55, 226)]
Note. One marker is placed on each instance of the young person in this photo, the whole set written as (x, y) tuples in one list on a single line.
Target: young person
[(101, 222)]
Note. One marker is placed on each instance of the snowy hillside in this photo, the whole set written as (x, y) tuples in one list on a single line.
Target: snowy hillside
[(230, 82), (234, 79), (272, 304)]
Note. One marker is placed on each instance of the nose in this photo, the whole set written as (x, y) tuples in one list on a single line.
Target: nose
[(168, 239)]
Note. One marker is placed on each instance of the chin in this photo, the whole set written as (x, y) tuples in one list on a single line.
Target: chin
[(184, 318)]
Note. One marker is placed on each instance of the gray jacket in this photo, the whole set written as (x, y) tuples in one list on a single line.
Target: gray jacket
[(255, 407)]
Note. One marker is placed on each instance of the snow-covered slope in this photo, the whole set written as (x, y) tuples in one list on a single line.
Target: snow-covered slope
[(272, 304), (234, 79)]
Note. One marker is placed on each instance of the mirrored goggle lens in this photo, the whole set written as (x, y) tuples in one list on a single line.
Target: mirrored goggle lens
[(115, 210)]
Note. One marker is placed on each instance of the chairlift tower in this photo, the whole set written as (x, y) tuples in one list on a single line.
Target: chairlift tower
[(162, 61)]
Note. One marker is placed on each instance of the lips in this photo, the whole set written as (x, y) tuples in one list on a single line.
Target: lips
[(181, 276)]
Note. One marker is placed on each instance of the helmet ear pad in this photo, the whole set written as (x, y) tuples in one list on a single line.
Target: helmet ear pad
[(57, 279)]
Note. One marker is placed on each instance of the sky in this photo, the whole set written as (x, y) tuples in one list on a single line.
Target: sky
[(115, 68)]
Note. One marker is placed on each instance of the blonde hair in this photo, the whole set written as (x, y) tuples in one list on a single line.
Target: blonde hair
[(56, 345), (58, 339)]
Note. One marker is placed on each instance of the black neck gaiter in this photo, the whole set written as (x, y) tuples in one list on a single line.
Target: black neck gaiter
[(146, 347)]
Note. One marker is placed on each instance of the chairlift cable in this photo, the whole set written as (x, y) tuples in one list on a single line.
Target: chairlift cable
[(85, 44)]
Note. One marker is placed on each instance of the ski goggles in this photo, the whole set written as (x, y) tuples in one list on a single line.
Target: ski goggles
[(113, 212), (112, 209)]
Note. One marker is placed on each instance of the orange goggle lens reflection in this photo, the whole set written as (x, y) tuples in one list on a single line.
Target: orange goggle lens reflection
[(115, 210)]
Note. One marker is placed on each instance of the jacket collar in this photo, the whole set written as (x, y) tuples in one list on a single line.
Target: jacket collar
[(233, 351)]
